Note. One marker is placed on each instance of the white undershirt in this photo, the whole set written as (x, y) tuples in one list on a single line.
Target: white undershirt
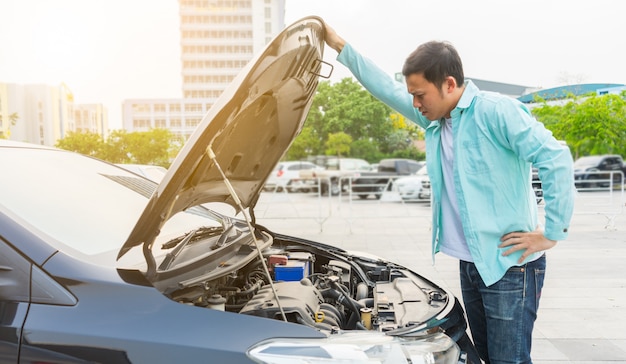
[(452, 237)]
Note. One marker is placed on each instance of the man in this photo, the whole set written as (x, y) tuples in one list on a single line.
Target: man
[(479, 151)]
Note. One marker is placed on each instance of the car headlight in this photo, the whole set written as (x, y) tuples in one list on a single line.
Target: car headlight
[(358, 347)]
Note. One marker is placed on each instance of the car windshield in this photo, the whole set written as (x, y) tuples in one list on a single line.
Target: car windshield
[(82, 203), (422, 171)]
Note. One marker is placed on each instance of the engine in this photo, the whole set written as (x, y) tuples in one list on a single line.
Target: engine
[(330, 297)]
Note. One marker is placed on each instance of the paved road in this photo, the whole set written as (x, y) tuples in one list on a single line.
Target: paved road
[(582, 318)]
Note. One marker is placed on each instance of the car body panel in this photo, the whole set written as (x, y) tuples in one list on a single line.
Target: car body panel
[(154, 173), (122, 338)]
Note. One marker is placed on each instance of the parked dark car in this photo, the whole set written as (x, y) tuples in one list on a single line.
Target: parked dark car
[(102, 265), (599, 170), (536, 183), (375, 183)]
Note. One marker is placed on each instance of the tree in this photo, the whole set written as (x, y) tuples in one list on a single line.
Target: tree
[(307, 143), (366, 149), (86, 143), (12, 120), (147, 147), (346, 107), (156, 146), (590, 125), (338, 144)]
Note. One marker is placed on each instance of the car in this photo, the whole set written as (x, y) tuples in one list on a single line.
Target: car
[(151, 172), (599, 171), (415, 187), (375, 183), (102, 265), (286, 176), (336, 175), (536, 184)]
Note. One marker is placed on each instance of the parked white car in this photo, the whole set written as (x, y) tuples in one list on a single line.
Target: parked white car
[(415, 187), (286, 175)]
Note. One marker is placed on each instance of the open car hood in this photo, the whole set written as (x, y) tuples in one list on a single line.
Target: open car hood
[(249, 129)]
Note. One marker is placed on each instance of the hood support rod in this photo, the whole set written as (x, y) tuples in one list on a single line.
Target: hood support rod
[(233, 194)]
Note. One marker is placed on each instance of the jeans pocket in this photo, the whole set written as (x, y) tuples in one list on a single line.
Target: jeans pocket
[(504, 299)]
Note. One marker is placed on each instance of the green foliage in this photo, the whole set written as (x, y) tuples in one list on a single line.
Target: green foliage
[(87, 143), (156, 147), (590, 125), (347, 108), (338, 144), (307, 143), (411, 153), (366, 149)]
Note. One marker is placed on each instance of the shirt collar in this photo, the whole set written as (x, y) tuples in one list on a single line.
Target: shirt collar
[(466, 99)]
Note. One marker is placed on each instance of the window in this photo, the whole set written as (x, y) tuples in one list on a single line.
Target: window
[(193, 107), (141, 108), (141, 123), (193, 122)]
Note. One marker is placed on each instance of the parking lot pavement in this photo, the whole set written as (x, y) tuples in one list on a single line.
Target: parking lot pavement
[(582, 318)]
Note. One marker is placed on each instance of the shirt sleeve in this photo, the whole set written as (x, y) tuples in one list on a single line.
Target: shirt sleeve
[(534, 143), (380, 84)]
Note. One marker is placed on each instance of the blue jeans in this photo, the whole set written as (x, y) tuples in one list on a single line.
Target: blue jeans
[(501, 317)]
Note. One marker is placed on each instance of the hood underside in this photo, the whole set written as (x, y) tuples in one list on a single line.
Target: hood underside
[(249, 128)]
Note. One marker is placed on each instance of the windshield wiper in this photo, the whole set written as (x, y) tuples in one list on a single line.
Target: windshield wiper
[(204, 231), (181, 242)]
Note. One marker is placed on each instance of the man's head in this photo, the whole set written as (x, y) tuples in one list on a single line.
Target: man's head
[(434, 76)]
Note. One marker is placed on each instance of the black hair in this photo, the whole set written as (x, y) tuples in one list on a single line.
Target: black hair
[(436, 61)]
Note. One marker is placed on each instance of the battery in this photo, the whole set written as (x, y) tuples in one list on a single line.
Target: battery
[(294, 270)]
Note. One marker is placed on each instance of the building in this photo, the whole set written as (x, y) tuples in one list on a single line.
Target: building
[(180, 116), (44, 113), (563, 92), (218, 38), (508, 89), (92, 118)]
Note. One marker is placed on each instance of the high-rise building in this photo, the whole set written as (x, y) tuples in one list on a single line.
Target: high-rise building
[(218, 38)]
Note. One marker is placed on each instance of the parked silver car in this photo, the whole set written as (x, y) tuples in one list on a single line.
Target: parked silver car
[(415, 187), (286, 176)]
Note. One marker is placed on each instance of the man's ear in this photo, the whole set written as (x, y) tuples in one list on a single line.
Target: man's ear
[(450, 84)]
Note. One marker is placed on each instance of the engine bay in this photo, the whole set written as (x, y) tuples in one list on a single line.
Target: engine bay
[(321, 287)]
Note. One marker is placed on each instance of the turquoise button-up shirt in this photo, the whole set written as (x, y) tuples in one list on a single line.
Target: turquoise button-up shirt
[(496, 140)]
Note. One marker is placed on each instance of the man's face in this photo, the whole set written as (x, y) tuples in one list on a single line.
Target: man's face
[(432, 101)]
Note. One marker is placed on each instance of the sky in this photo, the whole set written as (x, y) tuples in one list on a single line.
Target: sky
[(107, 51)]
